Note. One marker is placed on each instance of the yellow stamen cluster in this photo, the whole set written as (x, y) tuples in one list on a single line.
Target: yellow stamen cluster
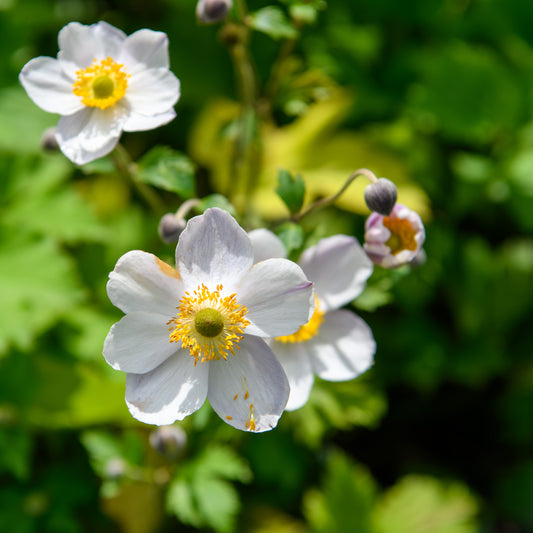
[(102, 84), (307, 331), (209, 325), (402, 234)]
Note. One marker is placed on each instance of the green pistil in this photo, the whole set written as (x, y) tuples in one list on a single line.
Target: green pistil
[(208, 322)]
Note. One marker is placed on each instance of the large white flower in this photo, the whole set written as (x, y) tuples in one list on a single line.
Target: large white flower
[(103, 82), (335, 344), (195, 331)]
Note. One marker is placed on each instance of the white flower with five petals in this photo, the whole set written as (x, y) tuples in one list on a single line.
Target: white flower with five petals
[(102, 83), (335, 344), (197, 331)]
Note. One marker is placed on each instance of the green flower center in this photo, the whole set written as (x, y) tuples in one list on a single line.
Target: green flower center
[(103, 87), (209, 322)]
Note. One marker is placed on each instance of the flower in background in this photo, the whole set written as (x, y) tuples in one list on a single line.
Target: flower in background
[(392, 241), (335, 344), (103, 82), (197, 331)]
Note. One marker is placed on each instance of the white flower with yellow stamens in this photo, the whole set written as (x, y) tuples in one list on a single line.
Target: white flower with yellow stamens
[(335, 344), (197, 331), (102, 83)]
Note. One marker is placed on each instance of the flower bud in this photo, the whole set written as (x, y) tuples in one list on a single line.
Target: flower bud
[(211, 11), (48, 140), (170, 228), (381, 196), (394, 240), (169, 441)]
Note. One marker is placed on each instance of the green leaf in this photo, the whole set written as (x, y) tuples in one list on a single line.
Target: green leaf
[(273, 21), (180, 501), (222, 462), (102, 448), (418, 504), (216, 200), (15, 452), (291, 190), (23, 123), (201, 496), (218, 503), (167, 169), (344, 503), (292, 236), (41, 201), (38, 287)]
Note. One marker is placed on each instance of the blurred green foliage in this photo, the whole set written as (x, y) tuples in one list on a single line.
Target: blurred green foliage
[(436, 95)]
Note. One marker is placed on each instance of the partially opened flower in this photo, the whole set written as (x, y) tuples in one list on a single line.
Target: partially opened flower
[(335, 344), (103, 82), (197, 331), (394, 240)]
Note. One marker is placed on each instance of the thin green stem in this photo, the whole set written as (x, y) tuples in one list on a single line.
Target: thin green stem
[(128, 169), (330, 199)]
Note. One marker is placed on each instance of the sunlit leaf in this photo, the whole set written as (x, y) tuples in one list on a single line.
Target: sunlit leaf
[(167, 169), (273, 21), (418, 504)]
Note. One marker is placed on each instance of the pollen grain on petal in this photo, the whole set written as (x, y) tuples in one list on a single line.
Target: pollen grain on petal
[(167, 269)]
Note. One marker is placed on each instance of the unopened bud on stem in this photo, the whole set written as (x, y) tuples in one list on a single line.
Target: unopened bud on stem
[(169, 441), (170, 228), (212, 11), (381, 196), (48, 140)]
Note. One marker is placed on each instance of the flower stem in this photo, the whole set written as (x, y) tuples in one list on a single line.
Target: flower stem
[(127, 168), (245, 163), (330, 199)]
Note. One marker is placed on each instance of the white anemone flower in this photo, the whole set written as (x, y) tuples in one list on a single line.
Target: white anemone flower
[(394, 240), (196, 332), (336, 344), (103, 82)]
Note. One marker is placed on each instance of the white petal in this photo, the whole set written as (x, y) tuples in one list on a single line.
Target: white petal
[(213, 249), (145, 49), (79, 45), (249, 388), (170, 392), (266, 245), (49, 87), (139, 342), (295, 362), (142, 282), (343, 348), (152, 91), (278, 296), (338, 268), (137, 122), (89, 133)]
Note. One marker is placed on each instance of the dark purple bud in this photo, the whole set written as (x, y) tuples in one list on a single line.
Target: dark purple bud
[(211, 11), (381, 196), (170, 228), (48, 140), (169, 441)]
